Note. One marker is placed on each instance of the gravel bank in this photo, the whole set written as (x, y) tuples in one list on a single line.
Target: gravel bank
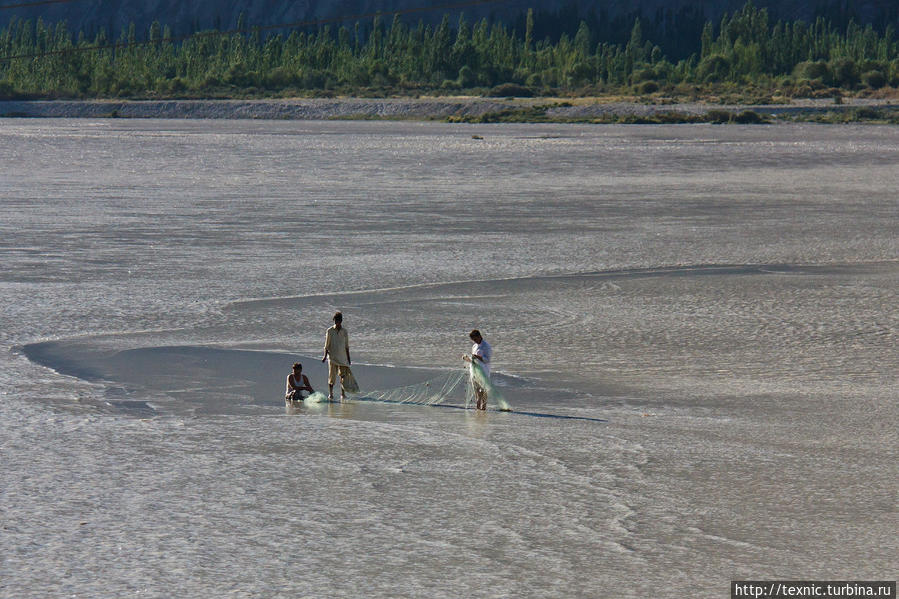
[(306, 109), (390, 108)]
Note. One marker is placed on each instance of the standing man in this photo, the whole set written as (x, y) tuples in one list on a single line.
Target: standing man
[(481, 354), (337, 353)]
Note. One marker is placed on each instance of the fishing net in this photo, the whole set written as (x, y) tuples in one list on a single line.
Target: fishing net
[(478, 377), (445, 389), (454, 388)]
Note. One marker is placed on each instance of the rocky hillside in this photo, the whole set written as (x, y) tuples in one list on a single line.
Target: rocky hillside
[(185, 17)]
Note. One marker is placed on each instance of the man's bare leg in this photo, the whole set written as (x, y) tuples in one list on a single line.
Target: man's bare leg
[(482, 398)]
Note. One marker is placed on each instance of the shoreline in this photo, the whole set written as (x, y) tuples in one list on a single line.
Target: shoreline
[(454, 109)]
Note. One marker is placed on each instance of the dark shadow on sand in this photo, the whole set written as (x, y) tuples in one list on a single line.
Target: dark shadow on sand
[(491, 410)]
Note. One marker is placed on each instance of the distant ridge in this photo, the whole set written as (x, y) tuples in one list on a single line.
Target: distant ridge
[(186, 17)]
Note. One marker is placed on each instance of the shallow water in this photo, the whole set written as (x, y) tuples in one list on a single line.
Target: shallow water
[(696, 326)]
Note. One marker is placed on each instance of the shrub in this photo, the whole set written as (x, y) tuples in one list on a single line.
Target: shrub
[(313, 79), (749, 117), (534, 80), (237, 74), (719, 116), (871, 65), (510, 90), (210, 82), (279, 78), (845, 72), (812, 71), (380, 74), (645, 74), (648, 87), (803, 90), (714, 67), (550, 77), (467, 77), (874, 79), (580, 72), (176, 85), (7, 91), (866, 113), (894, 73)]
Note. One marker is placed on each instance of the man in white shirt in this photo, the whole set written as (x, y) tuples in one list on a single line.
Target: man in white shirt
[(481, 354)]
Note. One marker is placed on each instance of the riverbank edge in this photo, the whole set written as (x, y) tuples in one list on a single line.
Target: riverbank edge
[(455, 109)]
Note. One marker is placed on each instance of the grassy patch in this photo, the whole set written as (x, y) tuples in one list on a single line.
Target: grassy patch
[(746, 117), (861, 114), (538, 114), (529, 114)]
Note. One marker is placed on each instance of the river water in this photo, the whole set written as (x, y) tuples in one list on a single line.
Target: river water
[(695, 325)]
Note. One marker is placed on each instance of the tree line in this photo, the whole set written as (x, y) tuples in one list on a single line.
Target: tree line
[(744, 49)]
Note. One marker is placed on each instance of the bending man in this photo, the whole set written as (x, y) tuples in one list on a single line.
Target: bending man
[(298, 386), (481, 353)]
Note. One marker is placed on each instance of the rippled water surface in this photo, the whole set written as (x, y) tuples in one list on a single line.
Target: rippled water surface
[(695, 325)]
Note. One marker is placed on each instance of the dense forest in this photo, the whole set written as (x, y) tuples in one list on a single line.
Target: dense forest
[(743, 51)]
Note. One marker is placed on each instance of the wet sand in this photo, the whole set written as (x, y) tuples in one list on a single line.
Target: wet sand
[(703, 337), (714, 307)]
